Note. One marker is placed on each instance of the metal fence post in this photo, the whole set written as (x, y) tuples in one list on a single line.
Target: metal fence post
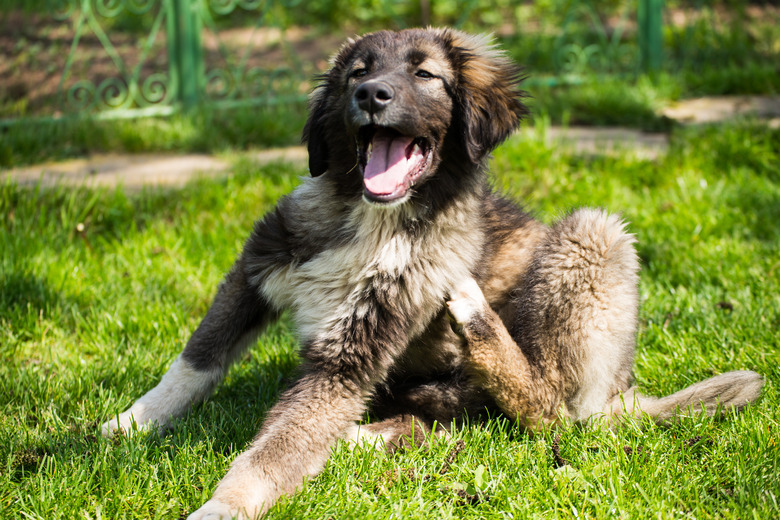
[(185, 52), (650, 21)]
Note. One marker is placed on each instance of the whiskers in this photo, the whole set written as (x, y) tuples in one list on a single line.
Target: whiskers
[(357, 161)]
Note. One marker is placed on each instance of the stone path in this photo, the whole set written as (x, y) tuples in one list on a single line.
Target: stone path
[(609, 140), (136, 171), (720, 108)]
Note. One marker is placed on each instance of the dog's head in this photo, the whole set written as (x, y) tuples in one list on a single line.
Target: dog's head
[(396, 106)]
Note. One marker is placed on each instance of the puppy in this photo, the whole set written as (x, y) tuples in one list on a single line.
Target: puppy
[(396, 230)]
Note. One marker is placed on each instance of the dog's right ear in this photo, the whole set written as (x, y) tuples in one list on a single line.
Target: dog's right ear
[(314, 132)]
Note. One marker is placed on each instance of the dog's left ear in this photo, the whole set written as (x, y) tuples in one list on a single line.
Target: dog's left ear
[(314, 132), (490, 94)]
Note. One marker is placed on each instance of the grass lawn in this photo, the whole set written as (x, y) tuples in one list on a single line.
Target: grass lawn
[(99, 290)]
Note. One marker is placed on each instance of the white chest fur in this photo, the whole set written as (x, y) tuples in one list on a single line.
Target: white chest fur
[(335, 283)]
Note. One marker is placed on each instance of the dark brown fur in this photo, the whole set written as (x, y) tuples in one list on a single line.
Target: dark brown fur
[(545, 317)]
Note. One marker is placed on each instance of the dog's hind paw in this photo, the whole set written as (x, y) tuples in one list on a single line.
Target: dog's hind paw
[(467, 288), (466, 302), (463, 311)]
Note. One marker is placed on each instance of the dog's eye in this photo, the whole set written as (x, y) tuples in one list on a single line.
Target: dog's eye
[(424, 74), (358, 73)]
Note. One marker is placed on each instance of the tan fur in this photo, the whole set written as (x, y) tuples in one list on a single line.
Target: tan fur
[(510, 263), (497, 364)]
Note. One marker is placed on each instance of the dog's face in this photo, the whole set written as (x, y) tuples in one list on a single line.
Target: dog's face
[(396, 107), (399, 110)]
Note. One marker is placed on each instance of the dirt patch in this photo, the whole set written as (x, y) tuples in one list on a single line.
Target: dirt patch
[(556, 450), (453, 454)]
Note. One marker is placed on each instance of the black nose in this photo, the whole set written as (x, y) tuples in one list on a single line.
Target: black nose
[(374, 96)]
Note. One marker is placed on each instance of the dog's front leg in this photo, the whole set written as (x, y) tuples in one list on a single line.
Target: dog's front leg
[(233, 321), (294, 443), (343, 367)]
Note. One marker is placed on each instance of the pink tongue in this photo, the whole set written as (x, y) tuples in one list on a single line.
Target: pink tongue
[(388, 166)]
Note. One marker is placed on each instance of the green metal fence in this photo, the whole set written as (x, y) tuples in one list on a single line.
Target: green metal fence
[(125, 88), (130, 58), (125, 58)]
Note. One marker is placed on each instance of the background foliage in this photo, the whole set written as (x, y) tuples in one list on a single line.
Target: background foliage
[(581, 58)]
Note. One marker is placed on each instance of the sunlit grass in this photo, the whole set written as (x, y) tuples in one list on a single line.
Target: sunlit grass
[(91, 316)]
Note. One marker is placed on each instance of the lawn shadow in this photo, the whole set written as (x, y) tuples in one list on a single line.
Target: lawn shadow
[(226, 422), (764, 207), (26, 294), (234, 412)]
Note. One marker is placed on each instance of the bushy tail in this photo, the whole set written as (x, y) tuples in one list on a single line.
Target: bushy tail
[(719, 394)]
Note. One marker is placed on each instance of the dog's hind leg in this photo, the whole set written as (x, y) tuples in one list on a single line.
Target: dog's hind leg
[(497, 363), (233, 322), (570, 339), (570, 343), (410, 410), (393, 434)]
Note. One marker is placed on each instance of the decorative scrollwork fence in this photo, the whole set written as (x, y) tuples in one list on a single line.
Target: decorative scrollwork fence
[(164, 69)]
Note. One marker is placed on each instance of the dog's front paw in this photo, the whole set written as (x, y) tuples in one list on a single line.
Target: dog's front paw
[(216, 510), (124, 423), (128, 422), (110, 428)]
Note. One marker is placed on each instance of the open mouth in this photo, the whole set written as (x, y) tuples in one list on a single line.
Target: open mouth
[(391, 162)]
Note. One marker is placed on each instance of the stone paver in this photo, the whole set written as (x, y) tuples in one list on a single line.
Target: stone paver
[(721, 108), (610, 140), (132, 171), (136, 171)]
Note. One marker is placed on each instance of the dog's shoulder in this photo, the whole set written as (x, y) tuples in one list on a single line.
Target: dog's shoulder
[(302, 224)]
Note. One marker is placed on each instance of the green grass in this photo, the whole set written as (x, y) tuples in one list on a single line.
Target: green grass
[(597, 100), (90, 319)]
